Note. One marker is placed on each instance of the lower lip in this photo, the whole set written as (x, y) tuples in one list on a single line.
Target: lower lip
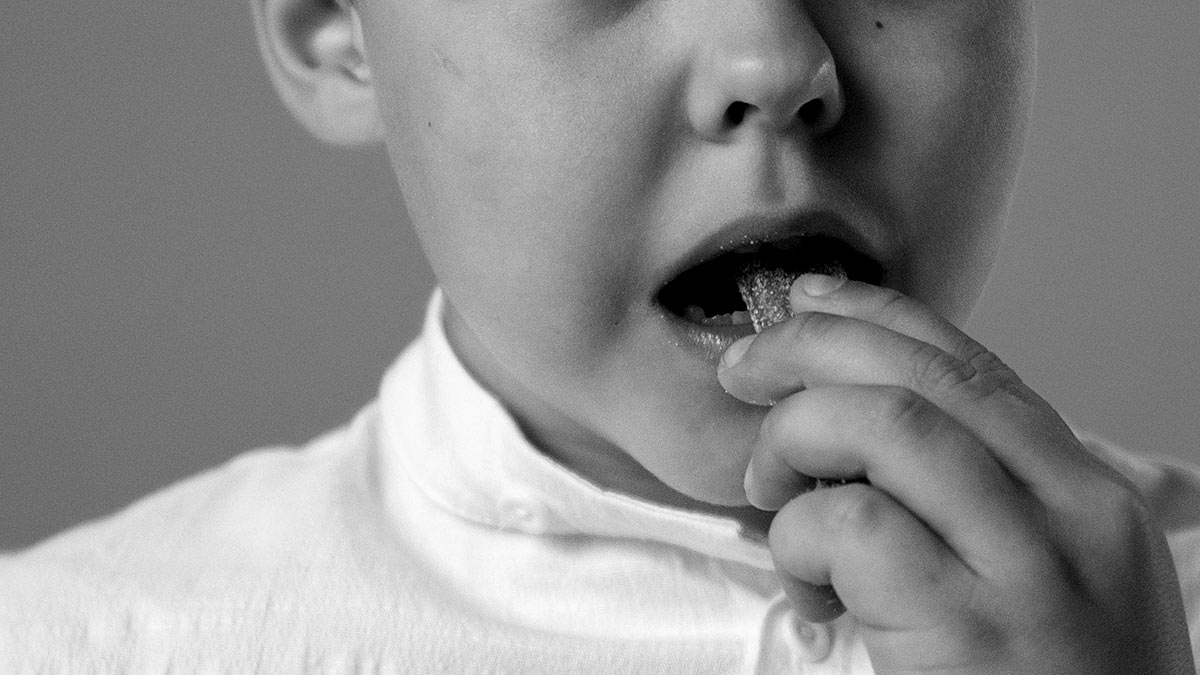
[(707, 342)]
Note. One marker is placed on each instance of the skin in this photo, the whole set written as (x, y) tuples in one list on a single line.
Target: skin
[(987, 541), (561, 160)]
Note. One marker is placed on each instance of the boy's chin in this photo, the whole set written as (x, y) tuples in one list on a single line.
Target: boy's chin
[(696, 484), (725, 498), (717, 495), (702, 451), (701, 474)]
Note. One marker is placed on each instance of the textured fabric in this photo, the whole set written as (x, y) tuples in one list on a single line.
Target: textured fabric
[(427, 536)]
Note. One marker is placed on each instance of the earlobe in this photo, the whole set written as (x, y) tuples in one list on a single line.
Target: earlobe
[(313, 51)]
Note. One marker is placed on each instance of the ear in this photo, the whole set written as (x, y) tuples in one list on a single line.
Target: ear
[(313, 50)]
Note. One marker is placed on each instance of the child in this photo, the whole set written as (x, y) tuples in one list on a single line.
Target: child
[(589, 462)]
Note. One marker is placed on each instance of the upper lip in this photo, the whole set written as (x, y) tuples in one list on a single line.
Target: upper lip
[(863, 235)]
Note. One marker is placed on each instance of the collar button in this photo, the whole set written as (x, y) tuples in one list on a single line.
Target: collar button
[(519, 513), (809, 642)]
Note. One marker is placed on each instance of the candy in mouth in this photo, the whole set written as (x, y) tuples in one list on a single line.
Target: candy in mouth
[(749, 284), (765, 290), (737, 317)]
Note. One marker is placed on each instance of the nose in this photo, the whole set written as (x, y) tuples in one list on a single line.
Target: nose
[(764, 65)]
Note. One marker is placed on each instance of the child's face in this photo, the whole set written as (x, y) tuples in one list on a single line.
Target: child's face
[(563, 160)]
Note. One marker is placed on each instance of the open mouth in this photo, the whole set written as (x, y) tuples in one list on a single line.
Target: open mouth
[(708, 295)]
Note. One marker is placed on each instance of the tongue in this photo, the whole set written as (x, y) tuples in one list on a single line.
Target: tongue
[(765, 290)]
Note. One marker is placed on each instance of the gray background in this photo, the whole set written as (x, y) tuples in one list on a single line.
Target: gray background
[(185, 275)]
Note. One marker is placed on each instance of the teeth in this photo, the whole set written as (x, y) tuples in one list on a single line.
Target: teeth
[(696, 315), (738, 318)]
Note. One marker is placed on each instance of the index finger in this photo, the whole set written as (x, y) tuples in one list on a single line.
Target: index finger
[(883, 306), (859, 334)]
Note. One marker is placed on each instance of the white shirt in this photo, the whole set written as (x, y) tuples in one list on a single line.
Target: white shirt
[(428, 536)]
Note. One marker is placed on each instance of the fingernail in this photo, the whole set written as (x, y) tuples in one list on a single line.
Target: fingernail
[(748, 485), (820, 284), (736, 352)]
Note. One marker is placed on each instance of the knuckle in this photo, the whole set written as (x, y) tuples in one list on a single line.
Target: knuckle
[(808, 326), (776, 424), (901, 408), (860, 510), (1124, 505), (768, 430), (987, 364), (1114, 529), (937, 371), (892, 305), (980, 375), (1040, 565), (1109, 493)]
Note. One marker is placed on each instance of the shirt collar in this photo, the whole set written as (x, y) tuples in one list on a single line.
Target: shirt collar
[(453, 440)]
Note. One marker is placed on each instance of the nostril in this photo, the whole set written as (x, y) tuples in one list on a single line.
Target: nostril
[(736, 113), (811, 112)]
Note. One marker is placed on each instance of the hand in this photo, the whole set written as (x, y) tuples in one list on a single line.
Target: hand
[(985, 539)]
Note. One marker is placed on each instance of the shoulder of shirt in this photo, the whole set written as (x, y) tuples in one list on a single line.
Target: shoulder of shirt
[(228, 498), (214, 545)]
